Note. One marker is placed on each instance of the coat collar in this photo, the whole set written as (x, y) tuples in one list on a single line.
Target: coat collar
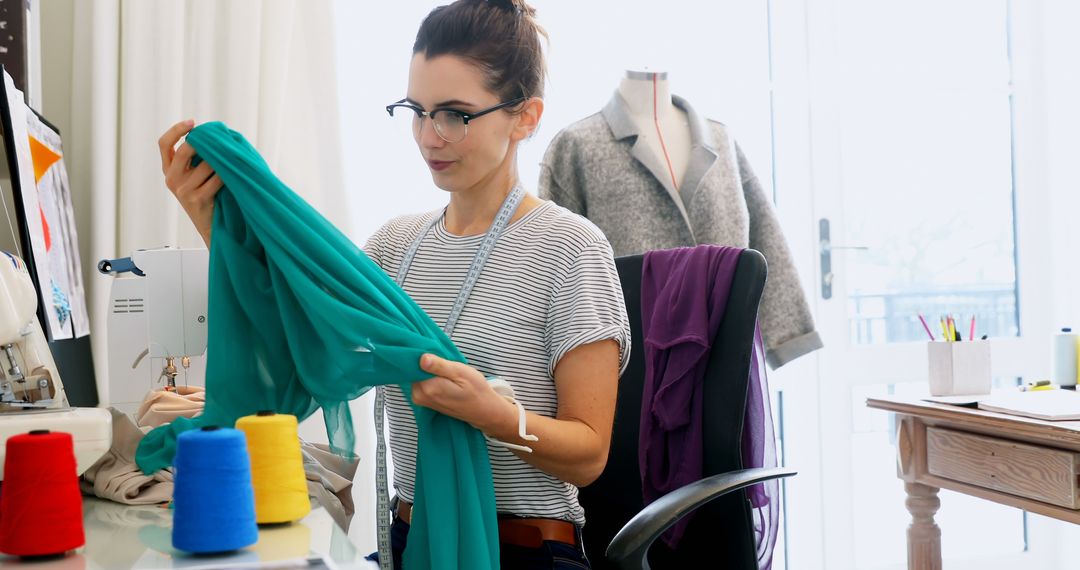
[(617, 115), (702, 154)]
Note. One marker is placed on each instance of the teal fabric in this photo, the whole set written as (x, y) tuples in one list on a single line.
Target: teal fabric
[(301, 319)]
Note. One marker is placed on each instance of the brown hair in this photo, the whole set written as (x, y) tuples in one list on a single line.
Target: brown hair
[(501, 37)]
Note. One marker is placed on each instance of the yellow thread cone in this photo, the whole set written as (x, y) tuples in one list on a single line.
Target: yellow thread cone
[(277, 468)]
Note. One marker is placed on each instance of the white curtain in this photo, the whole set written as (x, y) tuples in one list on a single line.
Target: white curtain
[(264, 67)]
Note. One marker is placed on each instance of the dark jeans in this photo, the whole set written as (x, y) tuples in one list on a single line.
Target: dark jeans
[(550, 556)]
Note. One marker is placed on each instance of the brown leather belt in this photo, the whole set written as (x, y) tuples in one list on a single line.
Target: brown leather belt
[(527, 533)]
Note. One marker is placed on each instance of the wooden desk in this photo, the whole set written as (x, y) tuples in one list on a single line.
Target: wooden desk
[(1020, 462)]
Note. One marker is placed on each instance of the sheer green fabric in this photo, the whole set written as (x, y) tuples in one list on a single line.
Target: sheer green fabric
[(301, 319)]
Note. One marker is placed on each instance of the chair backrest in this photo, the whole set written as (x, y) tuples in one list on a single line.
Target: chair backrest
[(721, 530)]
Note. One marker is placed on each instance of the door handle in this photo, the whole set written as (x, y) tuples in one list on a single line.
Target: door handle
[(826, 247)]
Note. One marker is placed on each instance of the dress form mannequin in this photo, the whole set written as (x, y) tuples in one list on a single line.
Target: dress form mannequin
[(664, 128)]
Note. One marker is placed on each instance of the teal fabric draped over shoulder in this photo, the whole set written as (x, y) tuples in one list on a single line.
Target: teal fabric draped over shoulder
[(300, 319)]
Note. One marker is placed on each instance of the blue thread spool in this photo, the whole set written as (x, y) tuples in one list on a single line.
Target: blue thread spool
[(214, 502)]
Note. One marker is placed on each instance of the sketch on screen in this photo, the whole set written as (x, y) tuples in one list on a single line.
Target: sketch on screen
[(40, 180)]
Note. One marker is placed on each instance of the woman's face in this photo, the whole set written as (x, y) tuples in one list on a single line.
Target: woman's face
[(449, 82)]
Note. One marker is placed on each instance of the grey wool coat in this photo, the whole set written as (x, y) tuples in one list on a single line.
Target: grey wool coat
[(595, 168)]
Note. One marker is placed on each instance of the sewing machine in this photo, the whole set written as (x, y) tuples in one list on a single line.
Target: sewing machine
[(157, 322), (31, 394)]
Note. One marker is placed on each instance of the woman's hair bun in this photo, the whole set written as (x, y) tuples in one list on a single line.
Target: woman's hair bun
[(519, 6), (502, 37)]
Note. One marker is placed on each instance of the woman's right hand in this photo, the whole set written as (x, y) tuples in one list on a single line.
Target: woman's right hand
[(194, 188)]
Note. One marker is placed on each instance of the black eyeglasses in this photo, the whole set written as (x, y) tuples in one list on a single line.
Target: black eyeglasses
[(450, 124)]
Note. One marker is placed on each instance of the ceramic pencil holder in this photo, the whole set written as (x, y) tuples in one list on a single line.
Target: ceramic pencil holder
[(959, 368)]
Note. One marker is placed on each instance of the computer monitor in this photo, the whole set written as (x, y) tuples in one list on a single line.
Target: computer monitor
[(43, 225)]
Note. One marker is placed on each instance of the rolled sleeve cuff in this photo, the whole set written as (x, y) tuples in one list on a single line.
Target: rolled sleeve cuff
[(612, 332), (787, 351)]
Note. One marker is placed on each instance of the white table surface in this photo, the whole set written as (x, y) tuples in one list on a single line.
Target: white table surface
[(122, 536)]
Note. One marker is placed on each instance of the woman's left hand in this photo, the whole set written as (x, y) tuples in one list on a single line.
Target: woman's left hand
[(461, 391)]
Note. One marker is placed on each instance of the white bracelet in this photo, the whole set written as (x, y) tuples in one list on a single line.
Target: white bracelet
[(504, 389)]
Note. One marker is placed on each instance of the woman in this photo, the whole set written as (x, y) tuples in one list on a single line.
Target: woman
[(546, 313)]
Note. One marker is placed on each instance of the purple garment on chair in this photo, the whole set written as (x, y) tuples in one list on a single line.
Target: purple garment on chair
[(683, 296), (759, 450)]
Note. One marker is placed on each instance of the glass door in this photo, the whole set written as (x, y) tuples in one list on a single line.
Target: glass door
[(909, 143)]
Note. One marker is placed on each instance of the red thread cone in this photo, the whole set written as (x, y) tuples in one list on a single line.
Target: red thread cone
[(41, 511)]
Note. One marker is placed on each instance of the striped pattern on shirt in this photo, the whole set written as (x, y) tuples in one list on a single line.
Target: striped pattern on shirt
[(549, 286)]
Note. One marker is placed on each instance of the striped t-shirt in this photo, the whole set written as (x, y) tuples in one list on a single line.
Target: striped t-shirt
[(549, 286)]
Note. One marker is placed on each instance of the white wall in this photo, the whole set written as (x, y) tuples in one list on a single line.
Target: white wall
[(1046, 89), (1062, 94)]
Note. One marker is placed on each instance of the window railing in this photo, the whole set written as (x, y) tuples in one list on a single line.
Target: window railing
[(879, 317)]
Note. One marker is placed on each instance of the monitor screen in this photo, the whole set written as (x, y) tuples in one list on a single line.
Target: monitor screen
[(44, 231)]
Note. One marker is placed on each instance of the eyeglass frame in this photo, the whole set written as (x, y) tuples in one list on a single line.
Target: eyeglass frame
[(465, 117)]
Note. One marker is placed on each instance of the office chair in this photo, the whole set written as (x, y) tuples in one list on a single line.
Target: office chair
[(620, 531)]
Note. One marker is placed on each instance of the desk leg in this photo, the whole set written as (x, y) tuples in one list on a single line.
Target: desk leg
[(923, 535)]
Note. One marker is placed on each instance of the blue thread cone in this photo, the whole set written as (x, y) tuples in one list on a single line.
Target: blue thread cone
[(214, 503)]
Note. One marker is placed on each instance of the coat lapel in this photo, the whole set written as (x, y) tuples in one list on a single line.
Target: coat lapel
[(702, 153)]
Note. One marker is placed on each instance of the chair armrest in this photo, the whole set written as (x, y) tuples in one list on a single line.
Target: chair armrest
[(631, 545)]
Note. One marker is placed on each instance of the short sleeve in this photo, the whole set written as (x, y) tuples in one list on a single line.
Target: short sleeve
[(374, 246), (587, 306)]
